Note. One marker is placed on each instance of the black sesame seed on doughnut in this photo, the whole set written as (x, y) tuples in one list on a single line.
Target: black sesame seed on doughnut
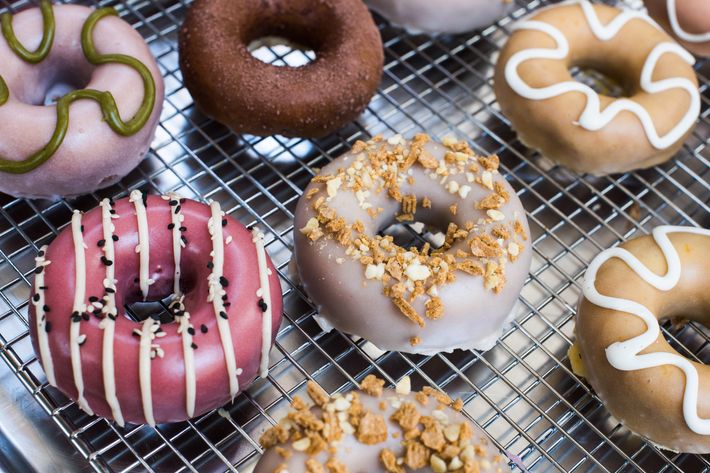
[(35, 298), (48, 326), (203, 328)]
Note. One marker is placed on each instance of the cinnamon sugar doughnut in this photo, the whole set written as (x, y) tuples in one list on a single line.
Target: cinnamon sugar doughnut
[(571, 123), (226, 308), (413, 300), (688, 21), (92, 136), (249, 96), (644, 382), (373, 430)]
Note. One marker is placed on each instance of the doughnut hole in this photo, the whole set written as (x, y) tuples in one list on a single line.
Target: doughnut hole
[(602, 82), (280, 52), (414, 234)]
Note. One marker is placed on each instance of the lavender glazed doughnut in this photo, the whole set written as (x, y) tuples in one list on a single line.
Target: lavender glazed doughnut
[(654, 390), (572, 124), (444, 16), (226, 308), (420, 301), (82, 142), (378, 430), (688, 21), (250, 96)]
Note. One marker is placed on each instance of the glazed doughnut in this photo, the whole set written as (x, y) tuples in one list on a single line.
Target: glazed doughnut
[(250, 96), (372, 430), (226, 307), (447, 16), (651, 388), (424, 300), (92, 136), (688, 21), (568, 121)]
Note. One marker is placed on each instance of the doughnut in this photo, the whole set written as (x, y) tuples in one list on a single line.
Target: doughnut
[(249, 96), (447, 16), (568, 121), (688, 21), (225, 306), (644, 382), (92, 136), (425, 300), (377, 429)]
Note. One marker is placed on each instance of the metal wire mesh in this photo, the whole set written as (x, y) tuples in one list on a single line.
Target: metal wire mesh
[(522, 391)]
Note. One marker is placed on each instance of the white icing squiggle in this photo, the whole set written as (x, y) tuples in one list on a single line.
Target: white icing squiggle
[(41, 317), (592, 117), (79, 307), (624, 355), (189, 359), (147, 351), (216, 292), (258, 239), (143, 248), (678, 30)]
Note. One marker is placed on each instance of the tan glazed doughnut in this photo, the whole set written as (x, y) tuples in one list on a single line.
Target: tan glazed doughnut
[(646, 384), (688, 21), (572, 124)]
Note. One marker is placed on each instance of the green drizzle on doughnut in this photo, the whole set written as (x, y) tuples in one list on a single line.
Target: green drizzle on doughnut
[(105, 100)]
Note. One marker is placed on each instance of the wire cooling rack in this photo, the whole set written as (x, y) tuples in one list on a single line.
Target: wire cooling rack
[(522, 391)]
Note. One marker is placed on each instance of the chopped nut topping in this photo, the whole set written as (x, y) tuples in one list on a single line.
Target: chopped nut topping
[(426, 203), (317, 394), (372, 429), (389, 461), (416, 455), (414, 341), (335, 466), (407, 309), (313, 466), (434, 308), (372, 385)]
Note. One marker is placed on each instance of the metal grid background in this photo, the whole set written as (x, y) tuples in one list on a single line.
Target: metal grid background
[(522, 391)]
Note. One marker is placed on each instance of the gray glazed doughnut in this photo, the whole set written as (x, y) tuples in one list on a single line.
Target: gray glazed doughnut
[(410, 300), (378, 430)]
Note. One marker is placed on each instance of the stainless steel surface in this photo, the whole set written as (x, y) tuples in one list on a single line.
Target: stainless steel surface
[(522, 391)]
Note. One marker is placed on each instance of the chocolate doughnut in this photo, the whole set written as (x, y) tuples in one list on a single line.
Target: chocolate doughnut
[(424, 300), (233, 87), (378, 430), (570, 123), (644, 382), (226, 307), (92, 136), (688, 21)]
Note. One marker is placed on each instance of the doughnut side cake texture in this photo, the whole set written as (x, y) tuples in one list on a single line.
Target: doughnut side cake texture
[(250, 96), (225, 308), (378, 430), (644, 382), (92, 136), (424, 300)]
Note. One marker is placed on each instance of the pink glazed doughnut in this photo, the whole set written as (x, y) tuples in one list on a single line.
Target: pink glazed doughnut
[(447, 16), (688, 21), (91, 137), (226, 307)]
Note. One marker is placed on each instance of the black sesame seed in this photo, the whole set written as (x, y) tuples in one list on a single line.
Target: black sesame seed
[(191, 331), (173, 203), (250, 227), (93, 299), (223, 281), (41, 253), (203, 328), (48, 326), (112, 316), (81, 228), (101, 243), (82, 341), (110, 290), (76, 317), (114, 237), (194, 346), (106, 261), (171, 226), (227, 304), (183, 200), (35, 297), (111, 202), (224, 315), (225, 297), (97, 313), (184, 240), (136, 334), (85, 316), (177, 209), (262, 305), (112, 212), (39, 269), (43, 288), (46, 308), (224, 222), (183, 229)]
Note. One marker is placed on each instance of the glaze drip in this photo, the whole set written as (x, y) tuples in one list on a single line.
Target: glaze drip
[(143, 248), (592, 117), (625, 355), (265, 291), (41, 315)]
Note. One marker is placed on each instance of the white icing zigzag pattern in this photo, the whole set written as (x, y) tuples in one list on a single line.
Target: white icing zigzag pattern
[(678, 30), (593, 118), (624, 355)]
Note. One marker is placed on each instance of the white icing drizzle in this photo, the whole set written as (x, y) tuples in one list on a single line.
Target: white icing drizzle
[(110, 312), (258, 239), (593, 118), (188, 356), (177, 219), (678, 30), (624, 355), (143, 248), (79, 307), (41, 317), (145, 356), (216, 292)]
